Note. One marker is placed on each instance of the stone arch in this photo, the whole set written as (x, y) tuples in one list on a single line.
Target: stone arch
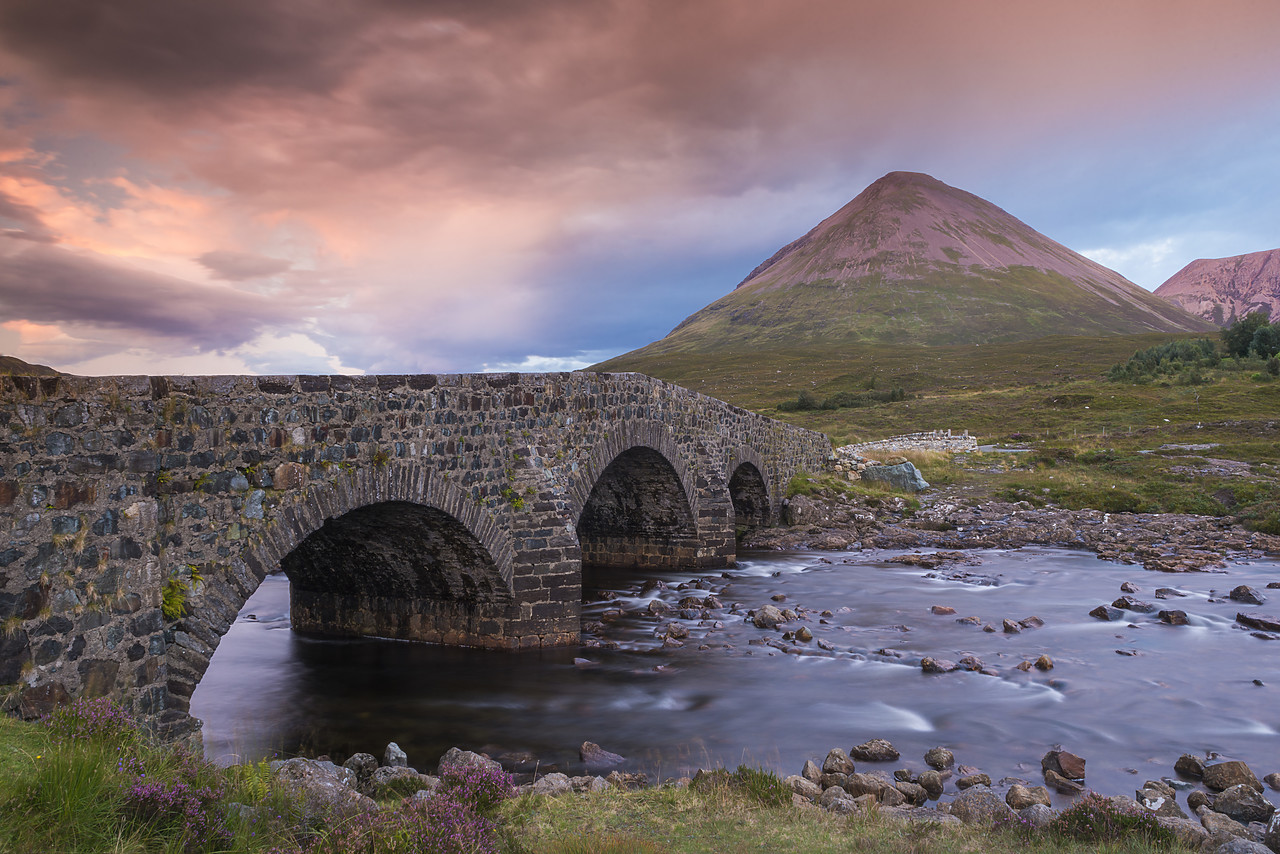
[(634, 502), (412, 493), (748, 483)]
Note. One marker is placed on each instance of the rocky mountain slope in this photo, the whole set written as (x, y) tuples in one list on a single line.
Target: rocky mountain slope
[(16, 367), (912, 260), (1224, 290)]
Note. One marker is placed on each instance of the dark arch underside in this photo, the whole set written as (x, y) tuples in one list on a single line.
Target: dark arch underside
[(638, 515), (750, 499), (393, 569)]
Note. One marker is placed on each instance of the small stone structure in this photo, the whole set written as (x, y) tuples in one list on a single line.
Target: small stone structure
[(455, 509), (932, 440)]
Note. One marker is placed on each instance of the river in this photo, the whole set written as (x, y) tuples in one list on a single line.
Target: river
[(1129, 696)]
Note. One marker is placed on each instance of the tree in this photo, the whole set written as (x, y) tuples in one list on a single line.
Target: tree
[(1238, 337), (1266, 340)]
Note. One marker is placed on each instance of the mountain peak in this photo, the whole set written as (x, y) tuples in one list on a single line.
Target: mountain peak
[(1224, 290)]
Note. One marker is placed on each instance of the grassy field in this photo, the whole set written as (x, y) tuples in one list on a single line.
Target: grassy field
[(1053, 396)]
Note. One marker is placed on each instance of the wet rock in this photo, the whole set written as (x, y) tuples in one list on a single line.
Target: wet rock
[(1189, 766), (978, 805), (1128, 603), (1032, 622), (1224, 775), (1161, 788), (915, 794), (394, 756), (1273, 780), (972, 663), (1061, 784), (552, 785), (891, 796), (1019, 797), (1271, 836), (1169, 593), (1106, 612), (1259, 621), (1063, 762), (875, 750), (931, 782), (1174, 618), (837, 762), (323, 789), (939, 758), (1011, 628), (971, 780), (1037, 815), (595, 757), (865, 784), (803, 634), (929, 664), (942, 610), (1246, 595), (1244, 804), (1159, 802), (811, 771), (1044, 662), (1129, 587), (656, 607), (1198, 799), (768, 617)]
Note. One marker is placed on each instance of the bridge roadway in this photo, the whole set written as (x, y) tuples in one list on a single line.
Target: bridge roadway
[(137, 514)]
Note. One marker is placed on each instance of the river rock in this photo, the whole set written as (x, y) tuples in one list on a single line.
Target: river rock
[(1159, 802), (1019, 797), (1259, 621), (1129, 603), (1189, 833), (890, 796), (915, 794), (1241, 846), (1061, 784), (596, 757), (768, 617), (1129, 587), (1169, 593), (1067, 764), (589, 783), (1273, 780), (1174, 617), (875, 750), (904, 477), (627, 781), (1271, 837), (931, 782), (803, 634), (1037, 815), (837, 800), (811, 771), (837, 762), (1189, 765), (1247, 595), (322, 788), (552, 785), (1198, 799), (1107, 613), (971, 780), (1011, 628), (456, 760), (929, 664), (1160, 787), (939, 758), (362, 765), (806, 789), (1044, 662), (1243, 803), (1032, 622), (942, 610), (1224, 775), (394, 757), (980, 806), (1217, 823)]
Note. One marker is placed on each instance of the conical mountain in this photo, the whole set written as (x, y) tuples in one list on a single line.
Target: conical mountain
[(912, 260), (1223, 290)]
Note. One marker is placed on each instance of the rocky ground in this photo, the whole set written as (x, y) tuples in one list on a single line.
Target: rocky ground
[(949, 520)]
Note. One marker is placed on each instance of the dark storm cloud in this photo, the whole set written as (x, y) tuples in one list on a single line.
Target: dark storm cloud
[(239, 266), (46, 284)]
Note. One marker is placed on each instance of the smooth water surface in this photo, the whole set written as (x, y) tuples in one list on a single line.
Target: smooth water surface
[(668, 710)]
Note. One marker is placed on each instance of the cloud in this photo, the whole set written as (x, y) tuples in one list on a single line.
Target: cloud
[(550, 364), (239, 266)]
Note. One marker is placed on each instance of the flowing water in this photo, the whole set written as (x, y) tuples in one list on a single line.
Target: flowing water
[(1129, 696)]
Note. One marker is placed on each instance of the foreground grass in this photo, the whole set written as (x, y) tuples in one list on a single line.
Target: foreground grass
[(80, 788)]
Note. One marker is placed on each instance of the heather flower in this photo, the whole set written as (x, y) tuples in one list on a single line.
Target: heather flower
[(98, 719)]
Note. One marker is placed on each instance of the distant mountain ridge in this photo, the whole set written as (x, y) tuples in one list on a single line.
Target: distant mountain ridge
[(912, 260), (1224, 290), (13, 366)]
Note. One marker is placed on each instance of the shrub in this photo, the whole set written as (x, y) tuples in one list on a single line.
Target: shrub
[(1094, 819), (1180, 359), (478, 787), (1238, 337), (97, 720), (438, 825)]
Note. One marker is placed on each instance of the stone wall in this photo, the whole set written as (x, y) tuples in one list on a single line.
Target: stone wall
[(932, 440), (440, 508)]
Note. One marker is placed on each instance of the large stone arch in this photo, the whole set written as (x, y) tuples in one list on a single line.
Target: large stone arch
[(748, 479), (404, 489), (634, 503)]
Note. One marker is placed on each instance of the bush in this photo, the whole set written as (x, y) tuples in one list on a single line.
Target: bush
[(480, 788), (99, 720), (1238, 337), (185, 805), (1173, 358), (438, 825), (1095, 820)]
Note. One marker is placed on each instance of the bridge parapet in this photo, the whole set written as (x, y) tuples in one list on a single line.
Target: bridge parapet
[(138, 513)]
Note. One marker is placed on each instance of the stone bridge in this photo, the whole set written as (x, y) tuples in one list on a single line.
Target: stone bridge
[(137, 514)]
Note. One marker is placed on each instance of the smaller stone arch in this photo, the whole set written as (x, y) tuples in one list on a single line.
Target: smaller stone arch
[(753, 506)]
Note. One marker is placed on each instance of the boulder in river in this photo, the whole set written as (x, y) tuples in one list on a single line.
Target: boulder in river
[(1129, 603), (837, 762), (875, 750), (1246, 594), (1189, 765), (1063, 762), (1259, 621), (596, 757), (1243, 803), (1019, 797), (929, 664), (1061, 784), (939, 758), (768, 617), (1174, 617), (1107, 613), (1224, 775), (970, 780), (931, 782)]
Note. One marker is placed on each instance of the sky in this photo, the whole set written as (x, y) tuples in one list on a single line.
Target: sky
[(433, 186)]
